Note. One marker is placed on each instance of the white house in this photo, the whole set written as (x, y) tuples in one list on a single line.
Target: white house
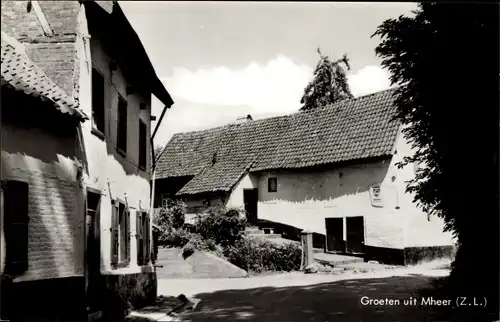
[(331, 171)]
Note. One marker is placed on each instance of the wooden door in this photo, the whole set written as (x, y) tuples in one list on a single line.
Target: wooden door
[(250, 198), (93, 279), (355, 235), (335, 235)]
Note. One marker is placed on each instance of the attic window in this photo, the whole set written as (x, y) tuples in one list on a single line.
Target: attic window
[(272, 185)]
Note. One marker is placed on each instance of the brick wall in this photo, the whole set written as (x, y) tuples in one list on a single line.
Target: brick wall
[(18, 22), (56, 54), (55, 229), (57, 61)]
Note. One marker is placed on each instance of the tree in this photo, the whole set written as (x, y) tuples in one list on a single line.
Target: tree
[(444, 64), (329, 84)]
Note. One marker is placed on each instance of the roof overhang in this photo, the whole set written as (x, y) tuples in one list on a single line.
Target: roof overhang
[(125, 43)]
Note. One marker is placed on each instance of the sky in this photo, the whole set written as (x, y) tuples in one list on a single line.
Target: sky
[(223, 60)]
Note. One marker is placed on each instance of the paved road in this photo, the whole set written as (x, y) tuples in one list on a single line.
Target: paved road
[(300, 297)]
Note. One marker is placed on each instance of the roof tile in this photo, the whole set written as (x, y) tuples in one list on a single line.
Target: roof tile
[(21, 74), (218, 157)]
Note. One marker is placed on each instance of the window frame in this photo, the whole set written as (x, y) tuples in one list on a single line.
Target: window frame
[(269, 185), (143, 146), (99, 132), (122, 125), (15, 262), (120, 234), (143, 235)]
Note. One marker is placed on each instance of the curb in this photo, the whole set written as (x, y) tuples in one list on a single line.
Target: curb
[(171, 316)]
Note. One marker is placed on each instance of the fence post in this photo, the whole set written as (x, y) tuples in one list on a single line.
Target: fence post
[(307, 249)]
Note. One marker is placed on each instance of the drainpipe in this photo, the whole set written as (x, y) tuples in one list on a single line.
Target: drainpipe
[(153, 158)]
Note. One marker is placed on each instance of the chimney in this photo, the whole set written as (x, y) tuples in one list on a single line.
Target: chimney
[(243, 119)]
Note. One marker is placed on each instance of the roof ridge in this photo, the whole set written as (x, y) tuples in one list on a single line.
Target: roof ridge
[(330, 106)]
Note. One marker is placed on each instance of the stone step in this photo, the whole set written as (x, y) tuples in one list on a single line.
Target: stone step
[(252, 229), (262, 235)]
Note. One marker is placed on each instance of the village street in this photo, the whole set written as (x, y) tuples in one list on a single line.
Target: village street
[(308, 297)]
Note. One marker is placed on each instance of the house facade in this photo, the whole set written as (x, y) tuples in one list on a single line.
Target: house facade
[(97, 231), (332, 171)]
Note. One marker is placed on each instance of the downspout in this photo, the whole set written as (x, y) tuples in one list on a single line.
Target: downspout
[(151, 206), (154, 160)]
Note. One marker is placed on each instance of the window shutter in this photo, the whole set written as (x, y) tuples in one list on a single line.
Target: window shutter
[(114, 234), (127, 235), (138, 227), (16, 219), (146, 239)]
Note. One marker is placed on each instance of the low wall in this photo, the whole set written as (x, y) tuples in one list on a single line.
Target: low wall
[(408, 255), (128, 291)]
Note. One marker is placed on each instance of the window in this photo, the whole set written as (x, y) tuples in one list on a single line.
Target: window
[(376, 196), (120, 235), (272, 185), (143, 144), (143, 238), (122, 125), (16, 217), (164, 199), (98, 101)]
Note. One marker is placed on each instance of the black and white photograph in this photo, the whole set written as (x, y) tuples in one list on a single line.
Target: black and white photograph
[(256, 161)]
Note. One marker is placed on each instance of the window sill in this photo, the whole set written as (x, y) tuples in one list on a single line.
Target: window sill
[(120, 265), (121, 152), (143, 167), (97, 133)]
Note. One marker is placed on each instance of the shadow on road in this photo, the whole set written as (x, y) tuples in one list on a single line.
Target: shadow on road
[(335, 301)]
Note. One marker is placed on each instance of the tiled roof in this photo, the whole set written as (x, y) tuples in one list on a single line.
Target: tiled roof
[(217, 158), (21, 74)]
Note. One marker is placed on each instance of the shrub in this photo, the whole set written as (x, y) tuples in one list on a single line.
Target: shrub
[(176, 238), (224, 226), (256, 255), (171, 216), (197, 242)]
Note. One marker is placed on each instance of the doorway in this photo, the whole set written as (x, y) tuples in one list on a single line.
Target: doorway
[(335, 235), (93, 253), (250, 199), (355, 235)]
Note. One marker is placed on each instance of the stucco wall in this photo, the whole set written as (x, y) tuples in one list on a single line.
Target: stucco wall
[(305, 199), (56, 227), (248, 181), (114, 175)]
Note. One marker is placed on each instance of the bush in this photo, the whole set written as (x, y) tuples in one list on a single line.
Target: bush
[(171, 216), (224, 226), (176, 238), (257, 256), (198, 243)]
